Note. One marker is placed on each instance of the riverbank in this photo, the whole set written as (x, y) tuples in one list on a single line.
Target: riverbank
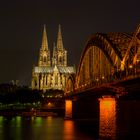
[(33, 112)]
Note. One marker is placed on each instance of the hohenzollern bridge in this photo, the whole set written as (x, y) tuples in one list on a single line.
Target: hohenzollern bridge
[(106, 58)]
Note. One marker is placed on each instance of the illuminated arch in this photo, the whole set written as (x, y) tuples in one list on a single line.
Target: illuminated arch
[(99, 60), (102, 58)]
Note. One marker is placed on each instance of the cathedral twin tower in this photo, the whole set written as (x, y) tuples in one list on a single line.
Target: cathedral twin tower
[(59, 57), (51, 73)]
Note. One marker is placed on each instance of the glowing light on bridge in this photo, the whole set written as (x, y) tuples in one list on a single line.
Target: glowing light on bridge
[(106, 58), (68, 109), (107, 118), (130, 66)]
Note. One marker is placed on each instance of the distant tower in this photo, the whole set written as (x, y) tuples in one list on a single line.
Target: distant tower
[(44, 56), (61, 52)]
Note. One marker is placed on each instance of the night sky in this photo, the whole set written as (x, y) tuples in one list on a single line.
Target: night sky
[(21, 25)]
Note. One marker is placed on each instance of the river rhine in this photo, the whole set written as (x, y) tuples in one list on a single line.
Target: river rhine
[(116, 121)]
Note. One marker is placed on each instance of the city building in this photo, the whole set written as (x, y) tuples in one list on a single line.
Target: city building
[(51, 72)]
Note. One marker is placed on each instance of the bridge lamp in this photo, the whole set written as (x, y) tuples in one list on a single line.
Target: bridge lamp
[(130, 66), (103, 77), (97, 79)]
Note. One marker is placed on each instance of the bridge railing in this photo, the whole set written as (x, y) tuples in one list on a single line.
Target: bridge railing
[(116, 77)]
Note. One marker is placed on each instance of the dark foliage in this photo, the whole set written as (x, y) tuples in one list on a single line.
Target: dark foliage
[(14, 94)]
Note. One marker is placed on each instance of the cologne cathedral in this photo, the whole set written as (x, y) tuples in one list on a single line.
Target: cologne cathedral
[(51, 72)]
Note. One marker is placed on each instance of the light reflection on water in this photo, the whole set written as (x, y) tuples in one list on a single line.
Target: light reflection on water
[(116, 120), (39, 128), (119, 119), (68, 130)]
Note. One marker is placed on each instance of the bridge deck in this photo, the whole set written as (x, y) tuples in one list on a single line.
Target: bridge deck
[(126, 88)]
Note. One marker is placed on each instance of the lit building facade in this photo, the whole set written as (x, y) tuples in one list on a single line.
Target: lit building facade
[(51, 72)]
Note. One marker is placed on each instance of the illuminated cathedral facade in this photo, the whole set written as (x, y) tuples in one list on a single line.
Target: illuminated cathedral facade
[(51, 72)]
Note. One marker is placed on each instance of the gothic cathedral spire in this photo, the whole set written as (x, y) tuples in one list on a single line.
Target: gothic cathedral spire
[(61, 52), (59, 39), (44, 56), (44, 45)]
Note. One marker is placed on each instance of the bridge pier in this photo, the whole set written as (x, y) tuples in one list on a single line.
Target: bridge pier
[(82, 108), (85, 108)]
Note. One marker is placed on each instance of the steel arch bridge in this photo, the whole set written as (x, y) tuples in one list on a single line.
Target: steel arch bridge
[(106, 58)]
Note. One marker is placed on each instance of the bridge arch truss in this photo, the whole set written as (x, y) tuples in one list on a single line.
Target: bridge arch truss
[(102, 60)]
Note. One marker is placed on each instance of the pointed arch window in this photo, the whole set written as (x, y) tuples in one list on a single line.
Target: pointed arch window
[(60, 59), (45, 59)]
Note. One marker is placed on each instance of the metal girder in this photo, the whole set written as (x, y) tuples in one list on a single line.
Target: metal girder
[(102, 56), (131, 50)]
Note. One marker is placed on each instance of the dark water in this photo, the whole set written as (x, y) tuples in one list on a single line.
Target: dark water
[(39, 128), (118, 120)]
